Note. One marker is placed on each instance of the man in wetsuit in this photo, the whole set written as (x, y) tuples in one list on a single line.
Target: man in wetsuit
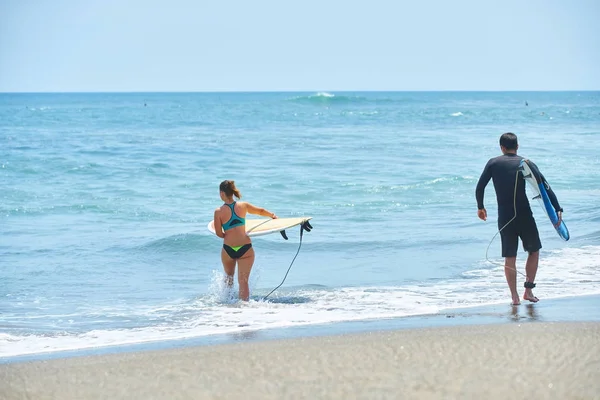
[(510, 194)]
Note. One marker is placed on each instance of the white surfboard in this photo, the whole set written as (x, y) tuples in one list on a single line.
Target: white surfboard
[(259, 227)]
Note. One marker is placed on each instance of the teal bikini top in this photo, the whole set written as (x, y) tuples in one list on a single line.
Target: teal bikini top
[(235, 220)]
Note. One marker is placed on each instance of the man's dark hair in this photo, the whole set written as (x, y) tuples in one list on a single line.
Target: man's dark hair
[(509, 141)]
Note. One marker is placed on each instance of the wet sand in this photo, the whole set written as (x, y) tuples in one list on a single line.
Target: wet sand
[(493, 361)]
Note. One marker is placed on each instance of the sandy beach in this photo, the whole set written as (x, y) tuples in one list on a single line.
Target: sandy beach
[(497, 361)]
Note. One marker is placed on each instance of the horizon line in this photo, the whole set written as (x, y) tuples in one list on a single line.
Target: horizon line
[(295, 91)]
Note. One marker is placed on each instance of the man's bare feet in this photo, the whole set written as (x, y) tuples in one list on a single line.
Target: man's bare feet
[(515, 300), (528, 295)]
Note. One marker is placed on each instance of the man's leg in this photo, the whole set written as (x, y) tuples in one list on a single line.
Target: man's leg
[(510, 270), (532, 244), (510, 245), (531, 269)]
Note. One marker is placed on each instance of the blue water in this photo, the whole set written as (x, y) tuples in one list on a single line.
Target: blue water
[(106, 197)]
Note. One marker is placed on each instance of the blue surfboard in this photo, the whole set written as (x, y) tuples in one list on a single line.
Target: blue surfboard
[(540, 189)]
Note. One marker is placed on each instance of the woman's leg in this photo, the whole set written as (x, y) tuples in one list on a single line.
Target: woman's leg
[(244, 267), (228, 267)]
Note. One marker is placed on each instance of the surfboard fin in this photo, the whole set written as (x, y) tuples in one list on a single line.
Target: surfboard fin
[(306, 226)]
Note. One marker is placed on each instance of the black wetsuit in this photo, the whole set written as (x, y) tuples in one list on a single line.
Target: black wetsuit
[(503, 170)]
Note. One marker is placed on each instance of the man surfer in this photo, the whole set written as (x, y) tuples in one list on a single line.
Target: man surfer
[(515, 218)]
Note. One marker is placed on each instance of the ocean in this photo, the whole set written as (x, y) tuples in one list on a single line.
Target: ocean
[(106, 198)]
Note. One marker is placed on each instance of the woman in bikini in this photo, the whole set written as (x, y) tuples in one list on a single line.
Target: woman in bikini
[(230, 224)]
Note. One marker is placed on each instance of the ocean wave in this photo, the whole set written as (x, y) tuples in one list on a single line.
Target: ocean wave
[(56, 210), (180, 243), (592, 215), (223, 314), (593, 236), (441, 181), (359, 113), (566, 272), (329, 98), (115, 208)]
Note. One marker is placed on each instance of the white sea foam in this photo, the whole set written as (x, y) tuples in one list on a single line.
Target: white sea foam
[(566, 272)]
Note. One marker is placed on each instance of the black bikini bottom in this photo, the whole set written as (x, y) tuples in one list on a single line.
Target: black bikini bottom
[(237, 251)]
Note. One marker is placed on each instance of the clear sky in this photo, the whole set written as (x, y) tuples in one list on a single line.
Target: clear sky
[(305, 45)]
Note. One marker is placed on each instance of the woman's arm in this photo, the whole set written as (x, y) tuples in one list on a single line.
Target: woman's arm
[(252, 209), (218, 225)]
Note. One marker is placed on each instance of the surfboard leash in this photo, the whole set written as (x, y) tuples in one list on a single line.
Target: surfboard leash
[(305, 226)]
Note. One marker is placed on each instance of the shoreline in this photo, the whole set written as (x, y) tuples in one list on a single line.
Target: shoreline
[(561, 361), (585, 308)]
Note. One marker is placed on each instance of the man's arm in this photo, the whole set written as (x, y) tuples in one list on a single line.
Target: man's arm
[(549, 190), (485, 177), (553, 200), (552, 196)]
